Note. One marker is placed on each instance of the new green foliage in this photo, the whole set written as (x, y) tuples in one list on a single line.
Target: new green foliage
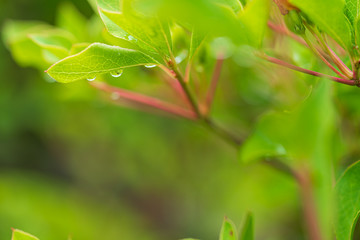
[(347, 192), (329, 16), (301, 137), (235, 5), (228, 230), (247, 232), (197, 39), (20, 235), (70, 19), (151, 32), (97, 59), (255, 17), (295, 134), (352, 10), (23, 48)]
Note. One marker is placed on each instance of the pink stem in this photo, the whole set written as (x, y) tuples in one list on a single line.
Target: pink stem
[(285, 31), (303, 70), (338, 59), (323, 58), (146, 100)]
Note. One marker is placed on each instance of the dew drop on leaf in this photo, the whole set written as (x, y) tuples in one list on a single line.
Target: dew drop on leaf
[(150, 65), (181, 57), (117, 73), (132, 39), (90, 79), (178, 59)]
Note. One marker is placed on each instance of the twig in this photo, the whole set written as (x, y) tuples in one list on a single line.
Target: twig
[(306, 71), (280, 166), (226, 135), (146, 100), (322, 57), (282, 30), (335, 58)]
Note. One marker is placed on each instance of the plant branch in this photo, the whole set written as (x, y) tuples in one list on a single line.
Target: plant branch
[(146, 100), (282, 30), (341, 65), (322, 57), (279, 166), (335, 58), (224, 134), (306, 71), (178, 76), (207, 122)]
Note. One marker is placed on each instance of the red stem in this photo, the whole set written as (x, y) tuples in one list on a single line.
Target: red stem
[(338, 60), (318, 53), (283, 30), (146, 100), (306, 71)]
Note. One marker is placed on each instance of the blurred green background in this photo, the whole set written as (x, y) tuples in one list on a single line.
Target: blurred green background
[(74, 164)]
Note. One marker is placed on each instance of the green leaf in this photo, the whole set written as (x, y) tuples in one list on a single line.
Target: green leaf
[(121, 42), (247, 232), (113, 6), (357, 30), (97, 59), (305, 135), (260, 145), (352, 10), (70, 19), (115, 35), (255, 17), (329, 16), (297, 134), (78, 47), (347, 192), (208, 16), (57, 42), (20, 235), (55, 37), (228, 230), (235, 5), (23, 49), (151, 32), (197, 38)]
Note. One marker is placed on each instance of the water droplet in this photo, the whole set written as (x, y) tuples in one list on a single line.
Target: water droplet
[(117, 73), (131, 38), (90, 79), (150, 65), (115, 96), (181, 57), (178, 59)]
